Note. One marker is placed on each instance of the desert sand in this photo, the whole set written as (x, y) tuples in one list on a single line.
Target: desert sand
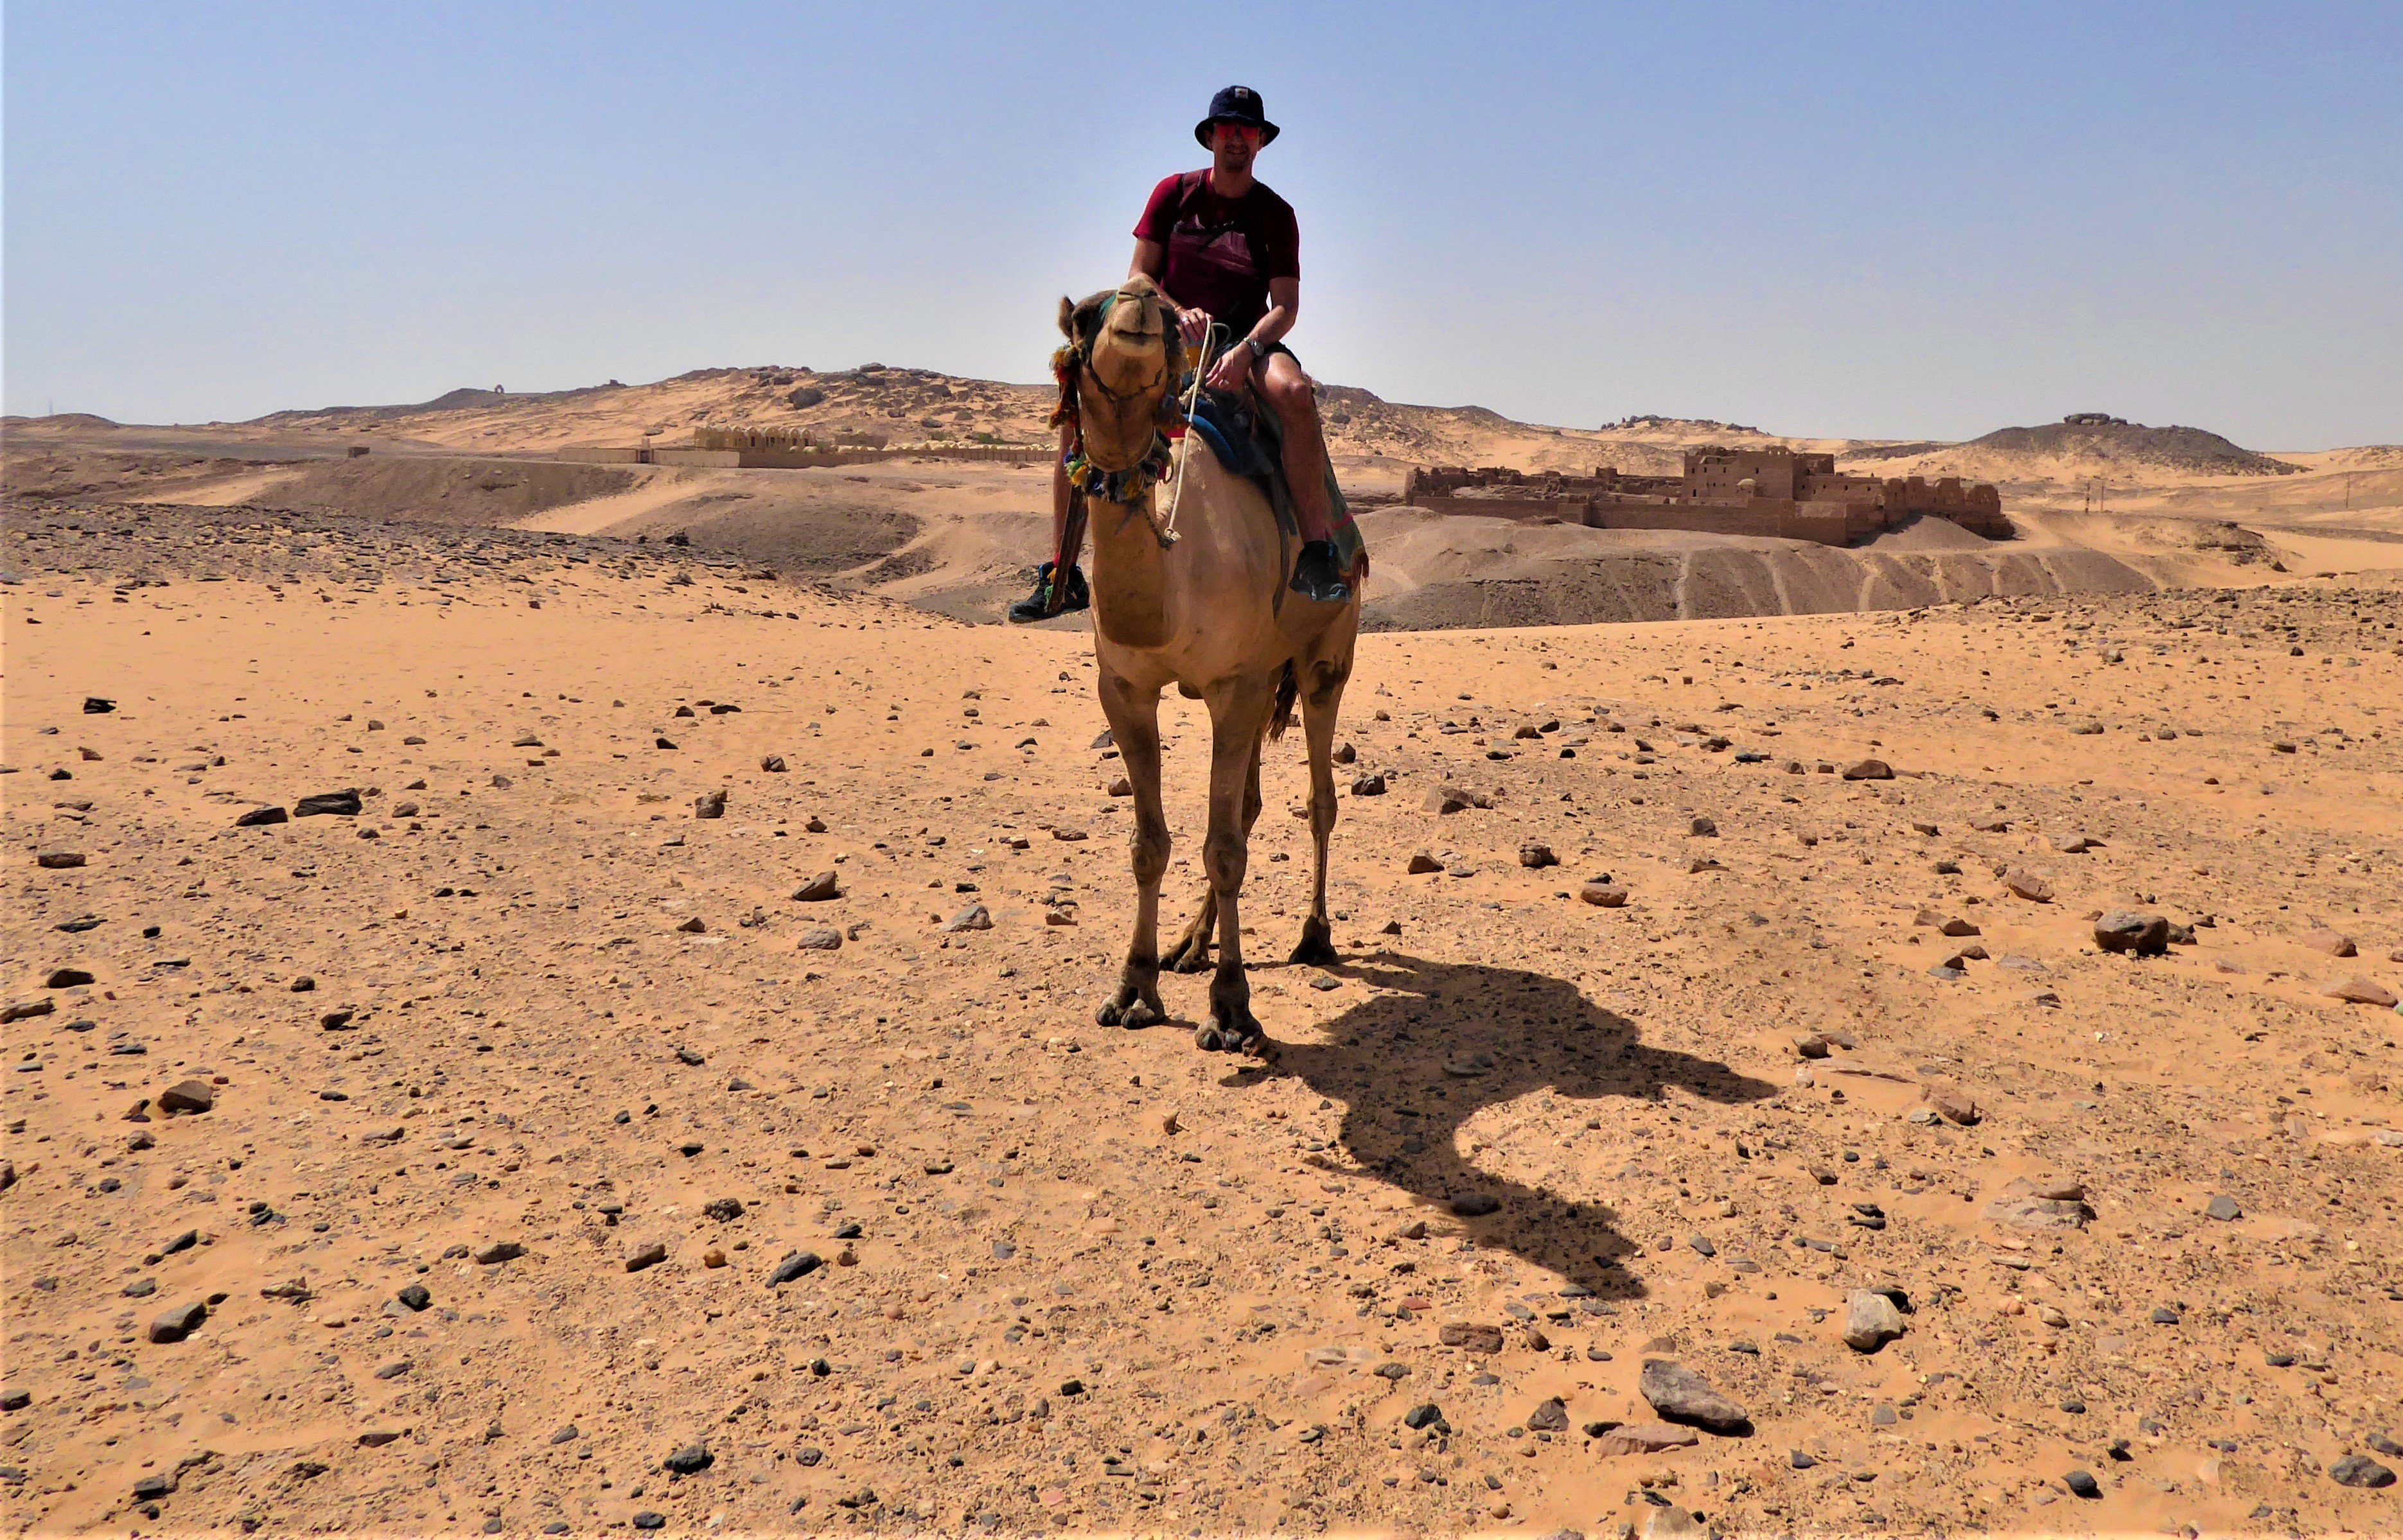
[(570, 1159)]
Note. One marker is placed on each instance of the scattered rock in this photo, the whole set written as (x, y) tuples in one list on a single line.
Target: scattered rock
[(801, 1264), (974, 917), (179, 1323), (261, 817), (59, 860), (821, 939), (2137, 934), (1606, 896), (1646, 1438), (689, 1460), (500, 1251), (1869, 770), (1473, 1335), (2033, 886), (1552, 1416), (1469, 1205), (339, 804), (2082, 1484), (2222, 1208), (1536, 858), (191, 1096), (1681, 1395), (773, 763), (1871, 1321), (2361, 991), (709, 804), (648, 1256), (1953, 1105), (1372, 784), (2360, 1470), (66, 978), (1421, 864)]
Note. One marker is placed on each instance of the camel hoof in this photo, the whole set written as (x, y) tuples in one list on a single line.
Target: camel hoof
[(1206, 1038), (1190, 957), (1237, 1031), (1141, 1015), (1109, 1015), (1314, 950)]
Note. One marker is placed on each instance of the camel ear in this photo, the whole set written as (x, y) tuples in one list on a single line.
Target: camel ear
[(1081, 320), (1068, 318)]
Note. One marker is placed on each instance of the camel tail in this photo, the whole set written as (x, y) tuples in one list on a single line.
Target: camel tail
[(1289, 691)]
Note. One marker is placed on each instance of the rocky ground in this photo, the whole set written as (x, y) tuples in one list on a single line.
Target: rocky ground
[(522, 1152)]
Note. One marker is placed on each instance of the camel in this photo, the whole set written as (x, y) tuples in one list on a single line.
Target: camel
[(1194, 597)]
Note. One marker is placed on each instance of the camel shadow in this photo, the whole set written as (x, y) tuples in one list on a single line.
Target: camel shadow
[(1442, 1042)]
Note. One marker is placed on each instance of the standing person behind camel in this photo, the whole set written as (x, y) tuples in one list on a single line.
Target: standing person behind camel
[(1226, 250)]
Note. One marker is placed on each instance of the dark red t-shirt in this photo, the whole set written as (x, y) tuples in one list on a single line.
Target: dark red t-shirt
[(1221, 252)]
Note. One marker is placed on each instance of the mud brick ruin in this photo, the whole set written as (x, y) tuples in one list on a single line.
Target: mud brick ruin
[(1774, 492)]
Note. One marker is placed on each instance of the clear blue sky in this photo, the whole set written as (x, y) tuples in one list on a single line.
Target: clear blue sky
[(1902, 220)]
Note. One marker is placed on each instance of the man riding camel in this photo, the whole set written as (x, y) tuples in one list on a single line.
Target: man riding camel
[(1226, 250)]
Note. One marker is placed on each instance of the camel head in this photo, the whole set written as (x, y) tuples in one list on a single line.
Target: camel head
[(1128, 356)]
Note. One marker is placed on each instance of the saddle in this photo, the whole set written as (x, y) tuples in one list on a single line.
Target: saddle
[(1248, 442)]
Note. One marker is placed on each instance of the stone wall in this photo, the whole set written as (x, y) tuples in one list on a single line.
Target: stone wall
[(1777, 493)]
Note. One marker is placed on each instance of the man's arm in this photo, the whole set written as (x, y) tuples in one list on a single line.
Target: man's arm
[(1235, 364)]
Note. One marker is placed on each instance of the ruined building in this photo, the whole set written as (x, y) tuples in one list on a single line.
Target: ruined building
[(1774, 492)]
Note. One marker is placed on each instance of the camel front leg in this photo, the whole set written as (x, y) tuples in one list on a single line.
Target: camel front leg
[(1238, 711), (1320, 703), (1133, 715), (1191, 954)]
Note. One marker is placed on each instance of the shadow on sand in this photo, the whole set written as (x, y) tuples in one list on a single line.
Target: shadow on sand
[(1444, 1042)]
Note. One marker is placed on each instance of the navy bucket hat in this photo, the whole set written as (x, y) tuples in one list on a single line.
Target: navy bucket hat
[(1235, 104)]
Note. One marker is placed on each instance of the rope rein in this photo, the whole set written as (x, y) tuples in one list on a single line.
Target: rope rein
[(1167, 531)]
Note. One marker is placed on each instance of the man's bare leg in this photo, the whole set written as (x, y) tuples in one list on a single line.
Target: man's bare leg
[(1286, 391), (1064, 558)]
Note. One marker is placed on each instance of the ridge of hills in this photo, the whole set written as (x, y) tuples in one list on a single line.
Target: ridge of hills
[(919, 406)]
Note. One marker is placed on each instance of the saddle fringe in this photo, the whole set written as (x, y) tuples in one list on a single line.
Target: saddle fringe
[(1289, 691)]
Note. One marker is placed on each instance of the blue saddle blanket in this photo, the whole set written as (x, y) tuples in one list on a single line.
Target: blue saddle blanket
[(1247, 444)]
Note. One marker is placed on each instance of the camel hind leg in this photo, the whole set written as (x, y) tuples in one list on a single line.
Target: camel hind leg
[(1322, 699)]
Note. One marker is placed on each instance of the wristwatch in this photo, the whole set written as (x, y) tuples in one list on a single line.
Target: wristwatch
[(1259, 349)]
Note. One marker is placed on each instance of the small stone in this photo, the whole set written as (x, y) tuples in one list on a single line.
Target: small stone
[(801, 1264), (2082, 1484), (261, 817), (1421, 864), (1953, 1105), (773, 763), (2222, 1208), (1552, 1416), (1372, 784), (1869, 770), (1871, 1322), (1536, 857), (415, 1296), (1681, 1395), (1703, 829), (713, 1257), (2164, 1316), (2136, 935), (66, 978), (648, 1256), (59, 860), (709, 804), (1646, 1438), (650, 1519), (1469, 1205), (1809, 1045), (1801, 1459), (1427, 1414), (24, 1009), (1606, 896), (690, 1460), (818, 889), (1473, 1335), (187, 1096), (179, 1323), (375, 1438), (2360, 990), (567, 1434), (2360, 1470), (500, 1251), (340, 804), (820, 938), (2032, 886), (694, 926), (2331, 942)]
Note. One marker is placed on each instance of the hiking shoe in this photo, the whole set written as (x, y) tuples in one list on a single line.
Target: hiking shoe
[(1315, 575), (1037, 606)]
